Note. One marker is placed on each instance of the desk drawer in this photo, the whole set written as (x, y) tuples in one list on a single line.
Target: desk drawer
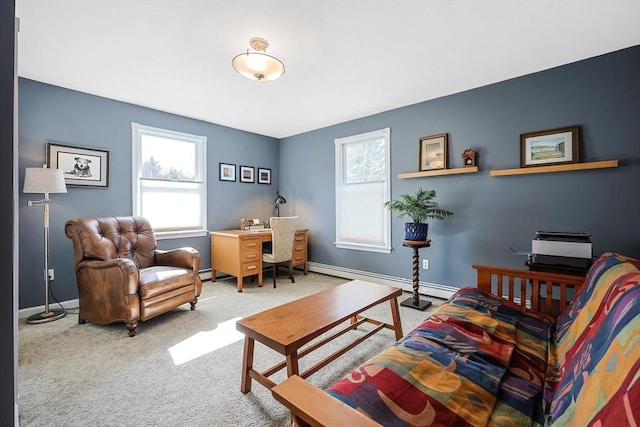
[(299, 253), (250, 256), (253, 244), (250, 268)]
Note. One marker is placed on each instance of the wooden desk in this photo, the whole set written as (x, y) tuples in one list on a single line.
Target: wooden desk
[(288, 327), (239, 253)]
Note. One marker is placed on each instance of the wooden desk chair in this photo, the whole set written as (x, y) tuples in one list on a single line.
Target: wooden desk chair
[(283, 230)]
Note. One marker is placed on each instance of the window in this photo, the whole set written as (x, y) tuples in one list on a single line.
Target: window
[(362, 187), (169, 181)]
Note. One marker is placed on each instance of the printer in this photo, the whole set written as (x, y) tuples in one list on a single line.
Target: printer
[(562, 248)]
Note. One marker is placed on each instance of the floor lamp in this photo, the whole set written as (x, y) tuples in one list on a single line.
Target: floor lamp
[(279, 201), (44, 180)]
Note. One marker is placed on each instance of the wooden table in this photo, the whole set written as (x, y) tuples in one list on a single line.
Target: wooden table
[(288, 327)]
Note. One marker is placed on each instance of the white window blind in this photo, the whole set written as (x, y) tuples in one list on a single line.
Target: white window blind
[(362, 187), (169, 181)]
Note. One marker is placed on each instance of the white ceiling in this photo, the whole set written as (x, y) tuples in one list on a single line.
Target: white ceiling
[(344, 59)]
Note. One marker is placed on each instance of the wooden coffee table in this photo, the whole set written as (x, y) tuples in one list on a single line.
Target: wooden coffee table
[(290, 326)]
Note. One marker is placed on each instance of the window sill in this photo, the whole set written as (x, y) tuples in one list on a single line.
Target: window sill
[(363, 247), (164, 235)]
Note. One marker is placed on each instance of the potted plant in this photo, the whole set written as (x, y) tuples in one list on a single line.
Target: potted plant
[(419, 208)]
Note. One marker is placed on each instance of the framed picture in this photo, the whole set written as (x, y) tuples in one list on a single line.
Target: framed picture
[(82, 166), (247, 174), (433, 152), (227, 172), (264, 176), (555, 146)]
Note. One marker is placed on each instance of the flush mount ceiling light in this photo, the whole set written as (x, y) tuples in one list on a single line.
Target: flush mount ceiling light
[(256, 64)]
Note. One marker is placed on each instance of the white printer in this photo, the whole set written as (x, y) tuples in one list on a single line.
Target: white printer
[(562, 244)]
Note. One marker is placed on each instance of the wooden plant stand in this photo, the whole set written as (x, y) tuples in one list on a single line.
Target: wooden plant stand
[(414, 301)]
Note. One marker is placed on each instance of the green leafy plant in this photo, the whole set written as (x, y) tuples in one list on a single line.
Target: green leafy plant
[(418, 207)]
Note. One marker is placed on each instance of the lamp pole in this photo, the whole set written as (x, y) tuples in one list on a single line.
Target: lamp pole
[(44, 181), (47, 315)]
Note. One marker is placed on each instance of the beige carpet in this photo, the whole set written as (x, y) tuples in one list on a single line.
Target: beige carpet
[(181, 369)]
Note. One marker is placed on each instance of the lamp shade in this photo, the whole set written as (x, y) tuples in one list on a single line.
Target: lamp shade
[(279, 199), (256, 64), (44, 180)]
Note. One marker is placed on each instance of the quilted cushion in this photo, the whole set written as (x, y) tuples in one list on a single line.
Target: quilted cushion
[(477, 359), (607, 268), (594, 366)]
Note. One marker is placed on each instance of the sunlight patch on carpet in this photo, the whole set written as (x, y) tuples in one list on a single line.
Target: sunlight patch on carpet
[(206, 342)]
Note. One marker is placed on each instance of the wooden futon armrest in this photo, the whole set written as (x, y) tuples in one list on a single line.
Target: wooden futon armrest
[(311, 406), (526, 287)]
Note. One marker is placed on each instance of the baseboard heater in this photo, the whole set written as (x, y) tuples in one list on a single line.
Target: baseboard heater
[(426, 288)]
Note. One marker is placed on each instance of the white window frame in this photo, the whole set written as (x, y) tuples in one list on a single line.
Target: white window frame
[(343, 241), (137, 131)]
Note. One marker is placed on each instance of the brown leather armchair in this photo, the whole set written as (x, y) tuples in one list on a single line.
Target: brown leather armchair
[(123, 277)]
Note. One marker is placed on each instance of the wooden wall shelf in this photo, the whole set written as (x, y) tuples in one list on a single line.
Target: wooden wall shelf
[(557, 168), (468, 169)]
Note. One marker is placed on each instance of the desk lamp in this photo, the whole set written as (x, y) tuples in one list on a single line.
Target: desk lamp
[(279, 201), (44, 180)]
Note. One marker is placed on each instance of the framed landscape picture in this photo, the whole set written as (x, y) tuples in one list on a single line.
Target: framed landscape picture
[(549, 147), (81, 166), (227, 172), (433, 152), (264, 176), (247, 174)]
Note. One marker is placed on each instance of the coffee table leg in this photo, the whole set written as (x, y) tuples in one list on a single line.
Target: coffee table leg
[(247, 365), (395, 313), (292, 364)]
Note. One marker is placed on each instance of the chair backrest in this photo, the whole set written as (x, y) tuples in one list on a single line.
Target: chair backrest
[(283, 230), (105, 238)]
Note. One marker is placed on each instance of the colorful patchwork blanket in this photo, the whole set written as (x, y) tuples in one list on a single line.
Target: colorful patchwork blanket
[(479, 360)]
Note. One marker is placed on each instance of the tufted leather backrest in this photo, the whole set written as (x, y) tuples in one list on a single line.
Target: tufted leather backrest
[(105, 238)]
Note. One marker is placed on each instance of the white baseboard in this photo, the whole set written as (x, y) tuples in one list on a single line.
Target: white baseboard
[(426, 288)]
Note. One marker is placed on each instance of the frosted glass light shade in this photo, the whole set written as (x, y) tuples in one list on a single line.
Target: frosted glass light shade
[(44, 180), (256, 64)]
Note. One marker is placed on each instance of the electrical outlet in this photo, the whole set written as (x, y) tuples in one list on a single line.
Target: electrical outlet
[(425, 264), (51, 274)]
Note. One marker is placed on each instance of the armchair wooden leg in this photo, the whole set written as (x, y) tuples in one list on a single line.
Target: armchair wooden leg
[(81, 320), (131, 327), (193, 303)]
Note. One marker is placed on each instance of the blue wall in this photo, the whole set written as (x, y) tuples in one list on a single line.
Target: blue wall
[(51, 113), (600, 94), (491, 213)]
